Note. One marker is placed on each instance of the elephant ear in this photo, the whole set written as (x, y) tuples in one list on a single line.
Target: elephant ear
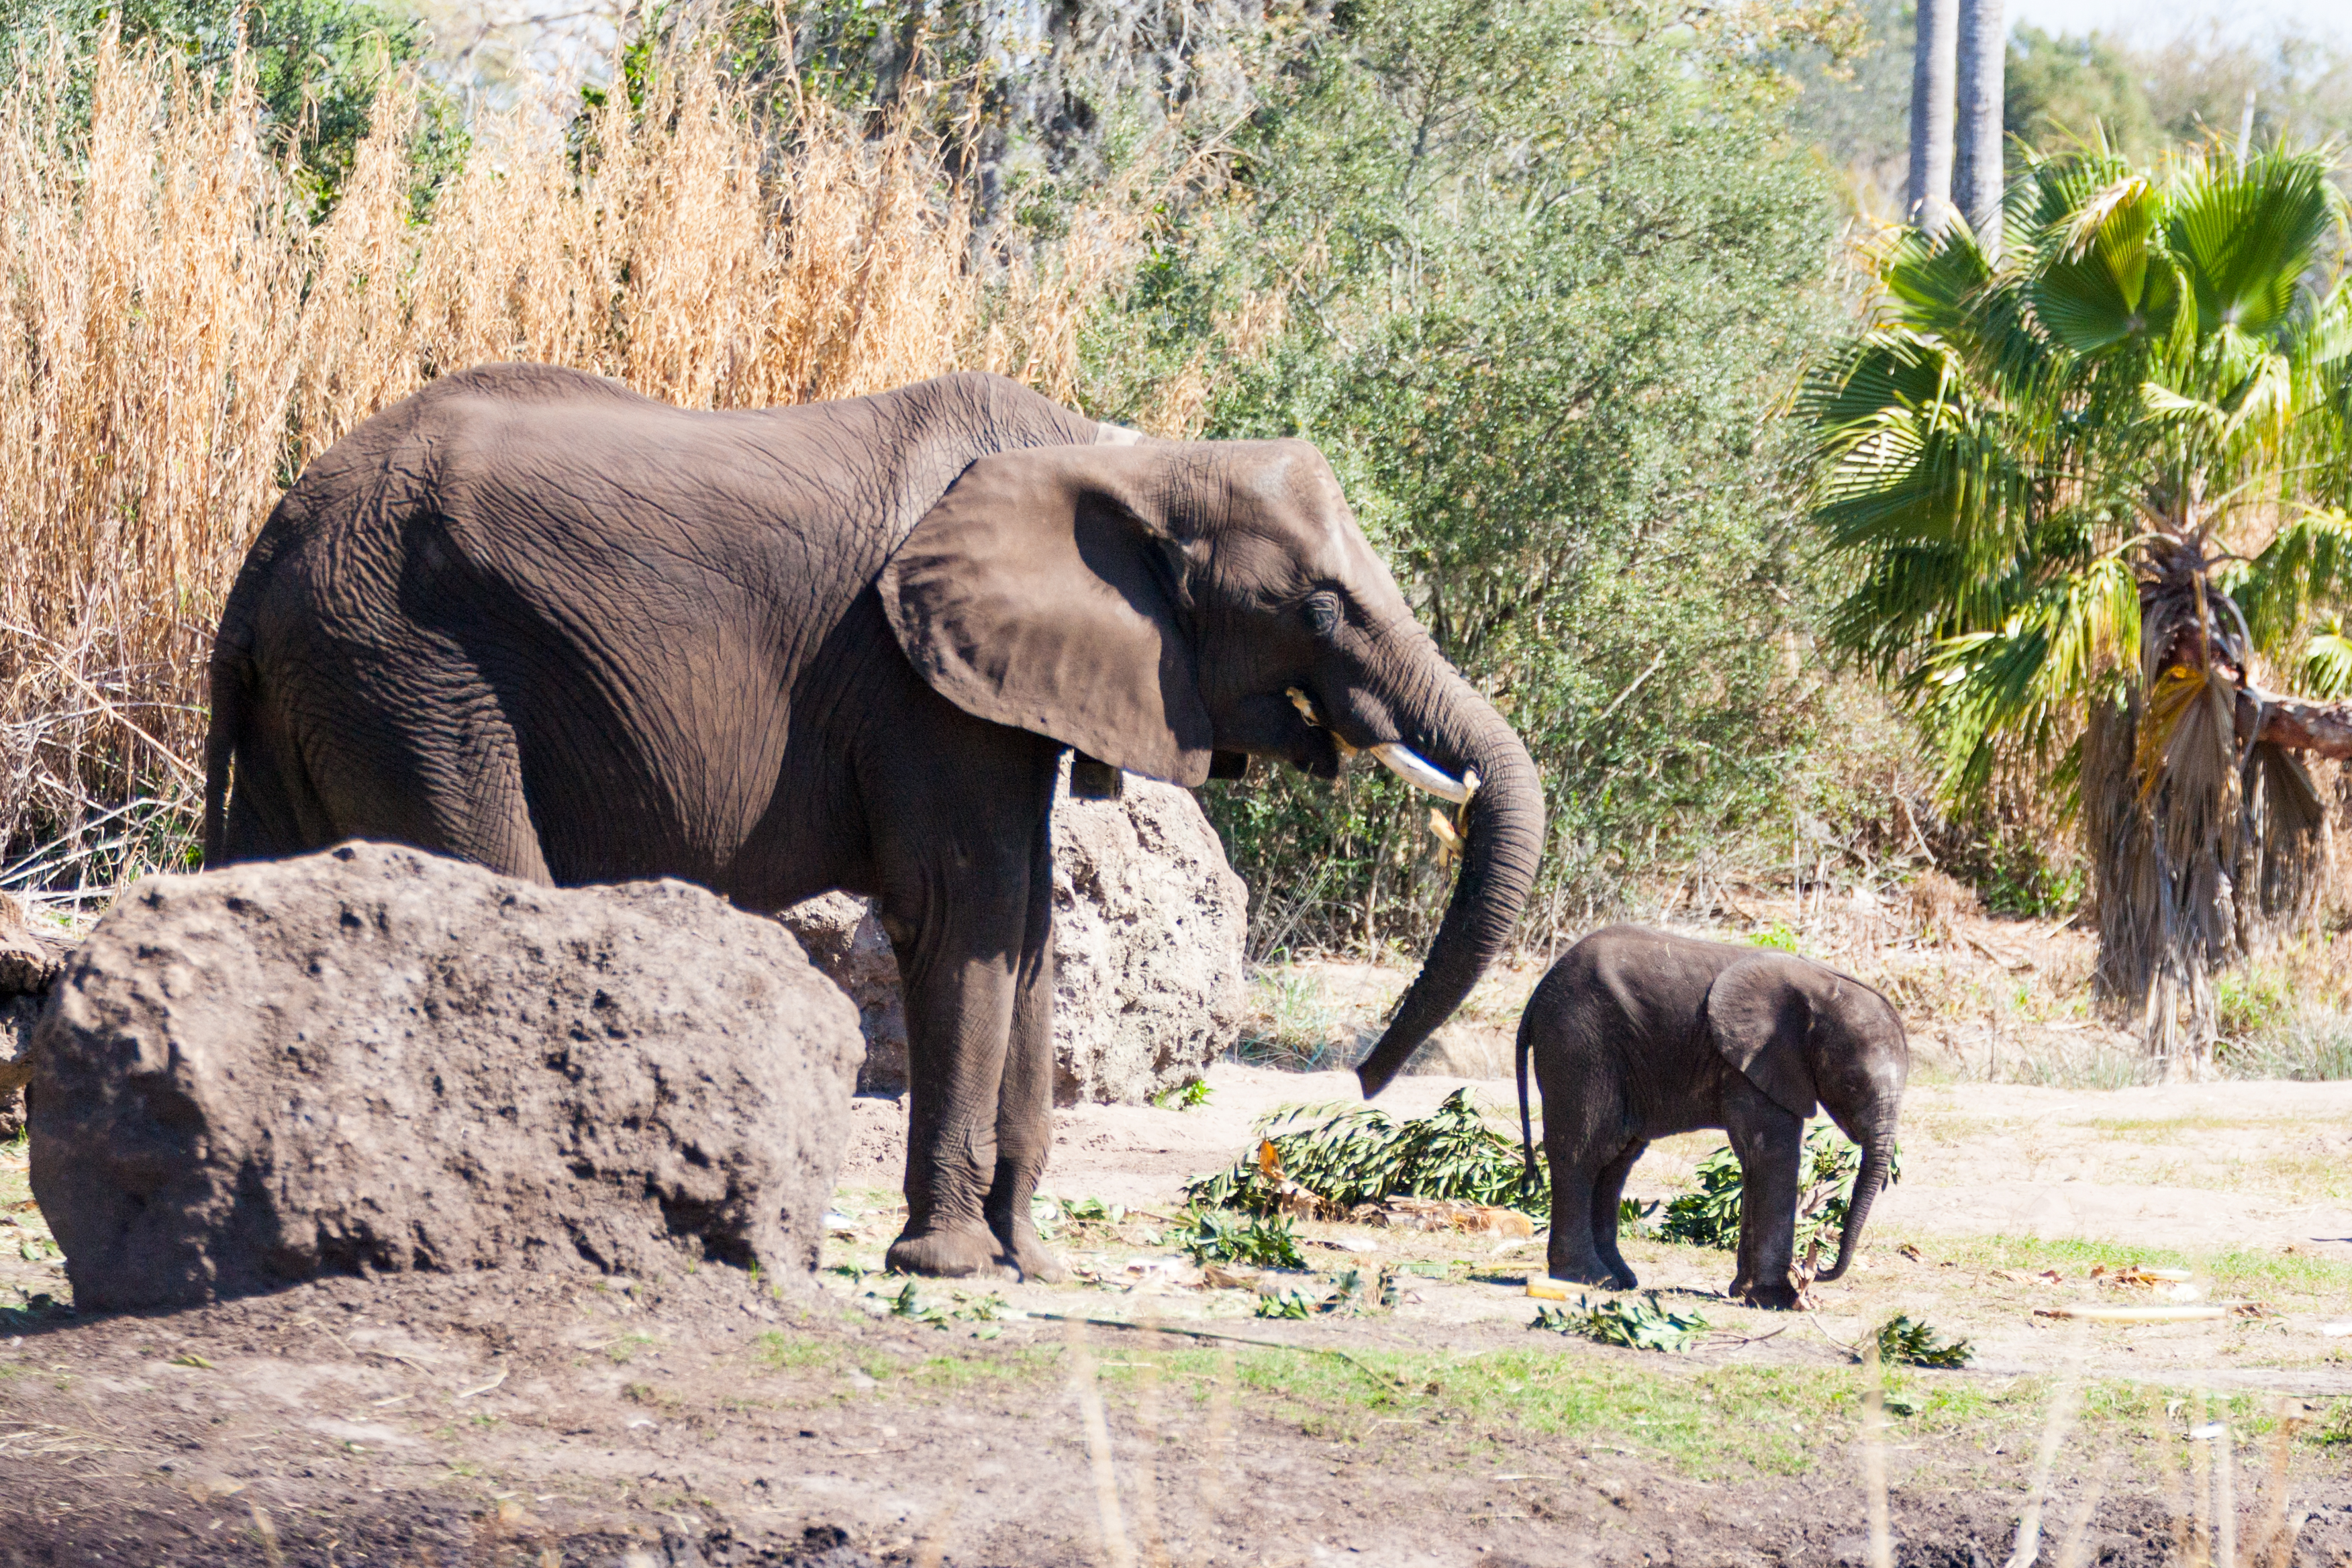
[(1045, 590), (1758, 1014)]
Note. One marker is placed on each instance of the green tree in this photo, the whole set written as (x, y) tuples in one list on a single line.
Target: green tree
[(319, 64), (2083, 498), (2063, 88), (1545, 266)]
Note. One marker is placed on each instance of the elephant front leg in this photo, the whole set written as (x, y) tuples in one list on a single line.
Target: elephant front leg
[(1024, 1115), (960, 992), (1768, 1141)]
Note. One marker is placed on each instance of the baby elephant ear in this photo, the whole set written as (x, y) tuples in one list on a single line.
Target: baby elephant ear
[(1044, 591), (1758, 1014)]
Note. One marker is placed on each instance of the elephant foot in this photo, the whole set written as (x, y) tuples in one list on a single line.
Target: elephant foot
[(1780, 1298), (1594, 1272), (951, 1254), (1037, 1266)]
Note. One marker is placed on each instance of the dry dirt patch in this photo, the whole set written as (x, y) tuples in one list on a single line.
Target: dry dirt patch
[(504, 1418)]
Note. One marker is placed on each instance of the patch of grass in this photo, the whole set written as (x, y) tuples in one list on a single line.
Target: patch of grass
[(776, 1351), (2270, 1275), (1705, 1421), (2309, 1047), (1292, 1024)]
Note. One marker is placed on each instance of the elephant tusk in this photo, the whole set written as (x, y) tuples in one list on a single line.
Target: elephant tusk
[(1417, 771)]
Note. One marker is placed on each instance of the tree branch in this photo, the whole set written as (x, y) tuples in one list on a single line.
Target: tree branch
[(2322, 727)]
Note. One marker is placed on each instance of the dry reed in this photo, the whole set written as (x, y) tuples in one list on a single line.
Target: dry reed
[(1118, 1549), (184, 337)]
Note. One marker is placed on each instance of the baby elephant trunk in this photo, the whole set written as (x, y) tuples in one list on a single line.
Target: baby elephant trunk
[(1877, 1155)]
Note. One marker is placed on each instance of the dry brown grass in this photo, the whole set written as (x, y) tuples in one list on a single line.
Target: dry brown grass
[(183, 338)]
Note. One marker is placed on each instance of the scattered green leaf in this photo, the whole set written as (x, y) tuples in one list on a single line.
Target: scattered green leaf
[(1903, 1338), (1266, 1240), (1637, 1323)]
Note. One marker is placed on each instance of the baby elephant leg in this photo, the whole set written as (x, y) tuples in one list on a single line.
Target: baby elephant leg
[(1608, 1190), (1572, 1252), (1768, 1141)]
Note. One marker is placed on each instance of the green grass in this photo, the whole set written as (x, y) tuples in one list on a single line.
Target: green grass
[(2270, 1275), (776, 1351), (1709, 1422)]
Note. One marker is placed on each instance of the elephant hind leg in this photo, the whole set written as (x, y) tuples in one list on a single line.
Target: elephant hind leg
[(1608, 1191)]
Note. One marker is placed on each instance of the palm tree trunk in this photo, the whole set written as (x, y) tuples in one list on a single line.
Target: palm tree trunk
[(2207, 836), (1928, 198), (1977, 152)]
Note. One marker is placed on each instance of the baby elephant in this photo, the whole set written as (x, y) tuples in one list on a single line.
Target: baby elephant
[(1638, 1035)]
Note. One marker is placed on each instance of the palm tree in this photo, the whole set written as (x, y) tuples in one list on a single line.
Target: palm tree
[(2092, 497), (1927, 195), (1977, 149)]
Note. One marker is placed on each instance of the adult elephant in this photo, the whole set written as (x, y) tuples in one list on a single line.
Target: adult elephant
[(531, 619)]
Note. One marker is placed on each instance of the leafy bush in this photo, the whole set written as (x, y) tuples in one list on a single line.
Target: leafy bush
[(1346, 1156), (1268, 1241), (1537, 271), (1710, 1216), (1637, 1323), (1904, 1338)]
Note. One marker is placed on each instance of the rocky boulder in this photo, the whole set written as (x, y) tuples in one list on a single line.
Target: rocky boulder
[(376, 1060), (1150, 931)]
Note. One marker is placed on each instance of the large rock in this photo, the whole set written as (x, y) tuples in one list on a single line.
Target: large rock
[(374, 1058), (1150, 931)]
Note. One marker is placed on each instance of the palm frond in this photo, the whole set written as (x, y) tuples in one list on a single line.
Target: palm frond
[(2248, 235), (2308, 562)]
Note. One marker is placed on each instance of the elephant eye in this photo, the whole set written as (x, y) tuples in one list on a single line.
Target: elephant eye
[(1322, 613)]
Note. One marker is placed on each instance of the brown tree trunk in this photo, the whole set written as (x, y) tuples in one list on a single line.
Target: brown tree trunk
[(2299, 726)]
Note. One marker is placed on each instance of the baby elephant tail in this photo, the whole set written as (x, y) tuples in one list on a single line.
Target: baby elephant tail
[(1526, 1127)]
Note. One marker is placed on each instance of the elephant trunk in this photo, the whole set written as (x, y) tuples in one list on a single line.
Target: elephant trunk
[(1877, 1158), (1503, 825)]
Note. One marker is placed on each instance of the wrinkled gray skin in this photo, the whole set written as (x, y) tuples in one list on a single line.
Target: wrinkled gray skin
[(533, 620), (1637, 1034)]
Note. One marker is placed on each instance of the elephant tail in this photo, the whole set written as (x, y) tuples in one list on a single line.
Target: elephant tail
[(1525, 1043), (1877, 1161), (224, 728)]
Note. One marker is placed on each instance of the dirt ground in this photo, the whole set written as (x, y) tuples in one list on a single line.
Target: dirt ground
[(1141, 1414)]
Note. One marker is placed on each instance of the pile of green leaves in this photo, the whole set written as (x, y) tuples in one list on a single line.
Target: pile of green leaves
[(1214, 1237), (1710, 1216), (1347, 1155), (1637, 1323), (1905, 1340)]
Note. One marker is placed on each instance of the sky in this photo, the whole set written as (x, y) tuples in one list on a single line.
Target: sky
[(2150, 21)]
